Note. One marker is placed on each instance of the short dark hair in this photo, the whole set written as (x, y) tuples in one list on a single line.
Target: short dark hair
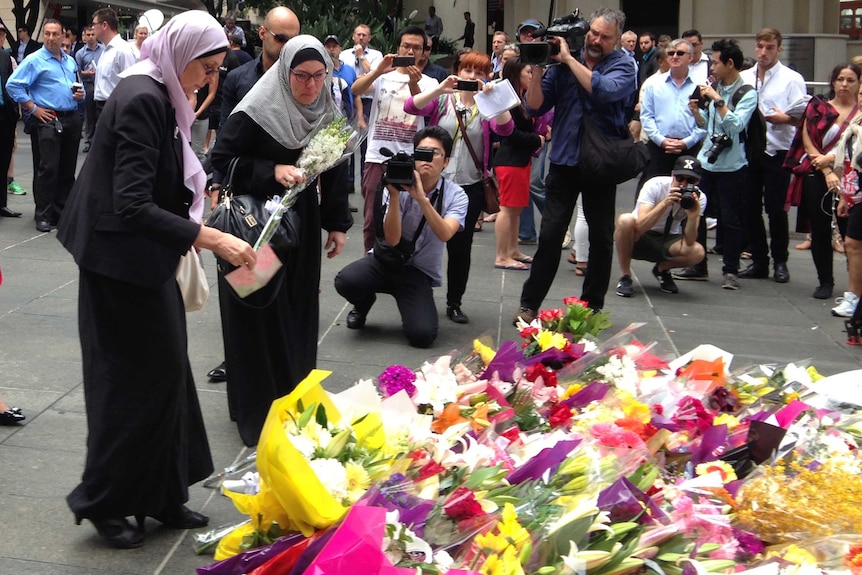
[(837, 70), (235, 40), (53, 21), (411, 31), (25, 28), (438, 134), (728, 50), (768, 34), (650, 34), (690, 33), (108, 15)]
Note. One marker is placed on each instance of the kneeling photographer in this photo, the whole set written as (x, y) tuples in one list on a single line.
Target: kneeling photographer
[(654, 230), (421, 211), (725, 178)]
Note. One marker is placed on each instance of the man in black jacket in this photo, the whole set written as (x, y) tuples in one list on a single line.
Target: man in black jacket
[(8, 119), (25, 45)]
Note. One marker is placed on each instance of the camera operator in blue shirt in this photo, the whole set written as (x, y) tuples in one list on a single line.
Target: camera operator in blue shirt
[(598, 81)]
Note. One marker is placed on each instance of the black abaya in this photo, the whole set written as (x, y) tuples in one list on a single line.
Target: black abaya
[(272, 347)]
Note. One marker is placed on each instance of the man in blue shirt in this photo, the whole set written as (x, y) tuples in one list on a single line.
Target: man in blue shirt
[(45, 92), (87, 58), (665, 117), (599, 81), (725, 167)]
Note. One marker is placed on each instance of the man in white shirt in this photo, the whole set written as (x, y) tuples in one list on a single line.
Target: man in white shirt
[(698, 70), (778, 88), (116, 57), (363, 58), (500, 39), (389, 125), (654, 232)]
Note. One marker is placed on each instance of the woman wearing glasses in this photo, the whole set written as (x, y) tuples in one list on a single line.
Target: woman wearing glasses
[(451, 108), (271, 347), (134, 210)]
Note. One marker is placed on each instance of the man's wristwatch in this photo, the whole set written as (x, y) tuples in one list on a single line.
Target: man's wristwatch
[(720, 103)]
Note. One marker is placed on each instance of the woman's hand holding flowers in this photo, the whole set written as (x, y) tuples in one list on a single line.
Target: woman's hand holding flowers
[(287, 175)]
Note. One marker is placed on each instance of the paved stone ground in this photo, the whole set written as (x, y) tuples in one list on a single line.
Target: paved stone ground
[(40, 369)]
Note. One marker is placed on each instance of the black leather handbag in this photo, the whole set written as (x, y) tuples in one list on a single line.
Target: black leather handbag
[(245, 216)]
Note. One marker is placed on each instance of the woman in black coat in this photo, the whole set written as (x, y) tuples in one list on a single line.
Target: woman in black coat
[(135, 209), (271, 336)]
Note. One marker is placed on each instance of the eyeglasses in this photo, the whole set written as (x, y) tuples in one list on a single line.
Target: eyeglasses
[(207, 70), (437, 153), (305, 76), (686, 179), (283, 38), (677, 53), (412, 47), (427, 48)]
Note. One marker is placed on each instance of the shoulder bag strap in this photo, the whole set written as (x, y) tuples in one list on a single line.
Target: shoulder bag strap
[(228, 183), (470, 149)]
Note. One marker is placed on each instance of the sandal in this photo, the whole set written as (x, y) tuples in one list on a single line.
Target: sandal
[(805, 245), (837, 242), (580, 271), (478, 226)]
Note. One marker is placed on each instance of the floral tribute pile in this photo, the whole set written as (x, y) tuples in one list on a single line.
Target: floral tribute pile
[(556, 454)]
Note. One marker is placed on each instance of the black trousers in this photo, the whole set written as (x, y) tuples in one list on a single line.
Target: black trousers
[(7, 142), (769, 194), (460, 247), (817, 205), (661, 163), (563, 184), (361, 280), (728, 189), (55, 157), (90, 114)]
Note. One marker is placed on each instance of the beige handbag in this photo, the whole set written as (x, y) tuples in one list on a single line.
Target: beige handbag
[(193, 281)]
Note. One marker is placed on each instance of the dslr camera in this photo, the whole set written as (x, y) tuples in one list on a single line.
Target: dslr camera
[(688, 201), (571, 27), (400, 166), (720, 142)]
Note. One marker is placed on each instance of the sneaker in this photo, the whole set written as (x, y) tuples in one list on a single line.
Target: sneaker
[(823, 291), (846, 305), (730, 282), (625, 288), (691, 273), (15, 188), (455, 314), (528, 241), (711, 223), (665, 280), (524, 314)]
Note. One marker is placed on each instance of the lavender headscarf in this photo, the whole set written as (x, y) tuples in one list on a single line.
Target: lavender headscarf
[(164, 57)]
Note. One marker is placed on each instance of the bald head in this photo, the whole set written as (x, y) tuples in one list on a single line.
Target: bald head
[(279, 26)]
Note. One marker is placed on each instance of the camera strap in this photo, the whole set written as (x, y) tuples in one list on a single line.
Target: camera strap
[(463, 131)]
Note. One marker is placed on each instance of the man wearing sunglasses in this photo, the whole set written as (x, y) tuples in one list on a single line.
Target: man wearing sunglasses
[(653, 231), (665, 117), (116, 57), (25, 44)]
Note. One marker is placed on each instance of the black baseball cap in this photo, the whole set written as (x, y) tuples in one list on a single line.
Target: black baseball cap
[(687, 166), (331, 37)]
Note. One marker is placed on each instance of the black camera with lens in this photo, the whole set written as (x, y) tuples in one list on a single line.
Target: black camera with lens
[(688, 199), (720, 142), (400, 166), (571, 27)]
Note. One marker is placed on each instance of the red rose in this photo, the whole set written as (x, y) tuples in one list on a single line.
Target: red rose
[(430, 469), (560, 415), (529, 332), (548, 315), (462, 505), (512, 434), (572, 300)]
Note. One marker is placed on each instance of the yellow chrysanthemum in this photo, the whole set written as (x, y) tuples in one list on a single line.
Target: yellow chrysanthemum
[(726, 419), (572, 390), (722, 467), (549, 339), (492, 565), (490, 542)]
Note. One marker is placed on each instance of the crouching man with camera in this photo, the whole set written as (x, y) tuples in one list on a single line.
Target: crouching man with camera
[(653, 231), (417, 219), (725, 176)]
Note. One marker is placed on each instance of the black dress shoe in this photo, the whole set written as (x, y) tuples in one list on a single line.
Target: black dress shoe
[(355, 319), (43, 226), (782, 274), (823, 291), (754, 271), (455, 314), (182, 517), (11, 416), (7, 213), (218, 373), (118, 532)]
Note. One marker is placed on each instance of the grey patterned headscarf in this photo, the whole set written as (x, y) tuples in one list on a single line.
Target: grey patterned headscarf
[(270, 103)]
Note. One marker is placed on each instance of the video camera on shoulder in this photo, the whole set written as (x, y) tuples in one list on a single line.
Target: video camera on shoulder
[(400, 166), (571, 27)]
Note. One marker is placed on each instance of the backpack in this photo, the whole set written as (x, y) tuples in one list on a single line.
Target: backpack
[(753, 137)]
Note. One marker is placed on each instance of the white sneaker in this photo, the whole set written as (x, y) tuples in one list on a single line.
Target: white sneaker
[(846, 305), (711, 223)]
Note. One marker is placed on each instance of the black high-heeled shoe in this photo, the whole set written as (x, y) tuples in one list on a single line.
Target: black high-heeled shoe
[(11, 416), (118, 533), (181, 517)]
